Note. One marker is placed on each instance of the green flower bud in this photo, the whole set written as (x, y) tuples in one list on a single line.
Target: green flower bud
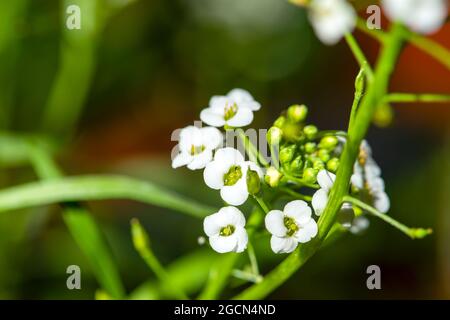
[(272, 177), (328, 142), (324, 155), (140, 238), (291, 131), (383, 116), (279, 123), (297, 113), (296, 165), (310, 175), (310, 147), (274, 135), (287, 153), (360, 82), (333, 164), (253, 182), (310, 131), (318, 164)]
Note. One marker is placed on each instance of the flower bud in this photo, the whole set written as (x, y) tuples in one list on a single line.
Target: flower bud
[(253, 182), (333, 164), (140, 238), (310, 131), (287, 153), (324, 155), (297, 113), (279, 123), (272, 177), (383, 116), (328, 142), (296, 165), (310, 175), (274, 135), (310, 147), (360, 82), (318, 164)]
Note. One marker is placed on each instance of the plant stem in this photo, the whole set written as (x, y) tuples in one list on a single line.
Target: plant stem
[(359, 55), (253, 260), (374, 33), (417, 97), (413, 233), (142, 245), (252, 152)]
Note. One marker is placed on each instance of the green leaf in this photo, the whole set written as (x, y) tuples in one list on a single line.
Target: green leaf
[(97, 187)]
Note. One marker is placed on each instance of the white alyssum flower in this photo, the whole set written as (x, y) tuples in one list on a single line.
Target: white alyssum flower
[(331, 19), (226, 231), (291, 226), (423, 16), (319, 201), (196, 147), (367, 176), (359, 225), (234, 110), (228, 173)]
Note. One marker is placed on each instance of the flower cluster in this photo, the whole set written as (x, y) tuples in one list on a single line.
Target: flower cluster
[(332, 19), (302, 157)]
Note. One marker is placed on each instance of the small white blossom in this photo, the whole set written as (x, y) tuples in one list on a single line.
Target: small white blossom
[(291, 226), (234, 110), (228, 173), (331, 19), (226, 231), (359, 225), (423, 16), (196, 147), (367, 176), (319, 201)]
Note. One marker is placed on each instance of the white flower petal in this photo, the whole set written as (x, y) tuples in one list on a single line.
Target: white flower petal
[(381, 201), (242, 239), (307, 232), (242, 118), (230, 156), (236, 194), (331, 19), (232, 216), (214, 172), (357, 180), (299, 211), (319, 201), (224, 244), (325, 179), (274, 222), (211, 137), (212, 118), (212, 224), (218, 103), (199, 161), (190, 136), (360, 224), (244, 99), (283, 245), (181, 159)]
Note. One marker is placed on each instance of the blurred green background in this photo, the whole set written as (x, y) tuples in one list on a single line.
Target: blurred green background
[(111, 94)]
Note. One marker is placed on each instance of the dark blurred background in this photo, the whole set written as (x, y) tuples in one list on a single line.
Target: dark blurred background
[(113, 92)]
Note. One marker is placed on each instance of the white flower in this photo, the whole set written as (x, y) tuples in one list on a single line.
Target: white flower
[(196, 147), (225, 230), (367, 176), (424, 16), (291, 226), (234, 110), (319, 201), (331, 19), (228, 173), (359, 225)]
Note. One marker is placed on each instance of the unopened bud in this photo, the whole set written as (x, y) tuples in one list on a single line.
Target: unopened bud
[(287, 153), (253, 182), (297, 113), (328, 142), (310, 175), (279, 123), (296, 165), (310, 131), (333, 164), (274, 135), (273, 177), (310, 147)]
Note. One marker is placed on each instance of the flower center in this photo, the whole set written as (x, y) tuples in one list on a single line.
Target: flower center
[(197, 149), (232, 176), (230, 111), (227, 231), (291, 226)]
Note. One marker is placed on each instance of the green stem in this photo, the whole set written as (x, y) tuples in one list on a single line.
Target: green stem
[(252, 152), (97, 187), (390, 52), (142, 245), (374, 33), (413, 233), (253, 260), (417, 97), (359, 55)]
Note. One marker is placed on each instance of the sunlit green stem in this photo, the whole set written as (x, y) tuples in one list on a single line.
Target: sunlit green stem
[(413, 233), (142, 245), (417, 97)]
